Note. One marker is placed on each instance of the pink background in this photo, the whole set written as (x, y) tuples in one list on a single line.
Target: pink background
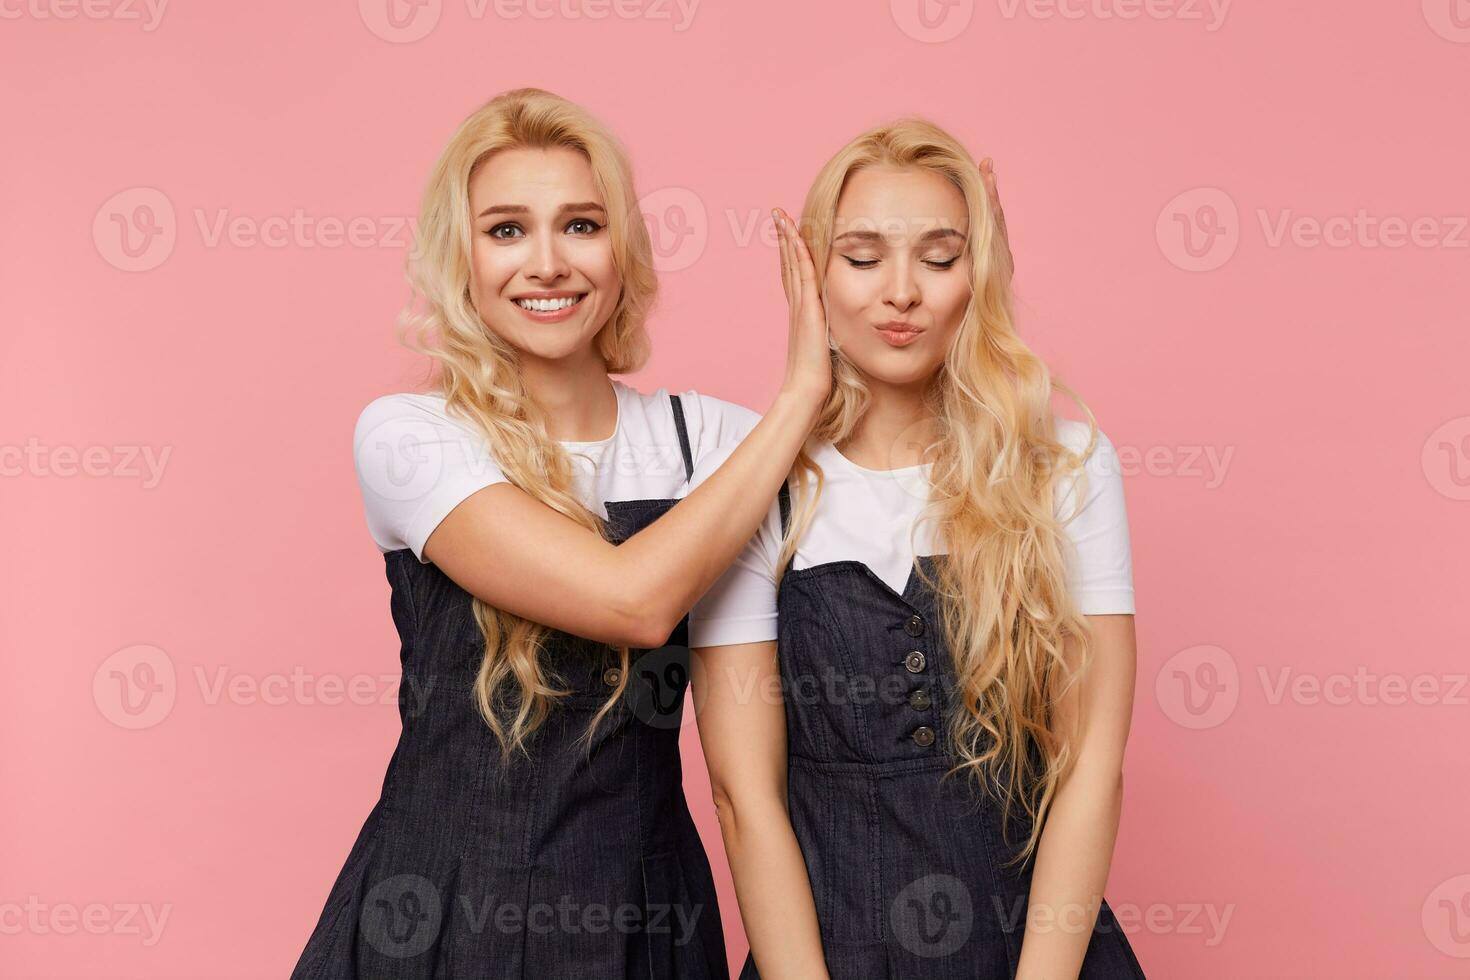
[(1315, 830)]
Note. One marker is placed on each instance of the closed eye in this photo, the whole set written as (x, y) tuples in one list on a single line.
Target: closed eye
[(936, 264)]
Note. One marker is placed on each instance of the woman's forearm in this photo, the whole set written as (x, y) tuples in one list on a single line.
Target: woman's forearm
[(1072, 862), (773, 890), (710, 526), (514, 552)]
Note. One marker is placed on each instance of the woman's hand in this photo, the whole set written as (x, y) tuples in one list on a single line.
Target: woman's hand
[(808, 354), (987, 173)]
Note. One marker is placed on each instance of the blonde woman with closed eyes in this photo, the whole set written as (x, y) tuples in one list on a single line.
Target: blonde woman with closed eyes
[(914, 688)]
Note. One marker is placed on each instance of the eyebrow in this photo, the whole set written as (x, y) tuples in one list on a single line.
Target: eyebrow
[(522, 209), (873, 236)]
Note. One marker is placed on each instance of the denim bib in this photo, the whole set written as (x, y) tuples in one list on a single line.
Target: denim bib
[(568, 863), (907, 869)]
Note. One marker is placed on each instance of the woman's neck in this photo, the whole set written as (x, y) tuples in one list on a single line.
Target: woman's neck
[(574, 393), (894, 429)]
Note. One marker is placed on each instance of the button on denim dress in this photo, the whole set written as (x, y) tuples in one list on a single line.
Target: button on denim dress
[(908, 870), (566, 864)]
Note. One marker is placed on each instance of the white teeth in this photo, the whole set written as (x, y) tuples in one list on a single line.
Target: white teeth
[(548, 305)]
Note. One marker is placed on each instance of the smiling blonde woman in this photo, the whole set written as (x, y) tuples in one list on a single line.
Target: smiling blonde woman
[(532, 820)]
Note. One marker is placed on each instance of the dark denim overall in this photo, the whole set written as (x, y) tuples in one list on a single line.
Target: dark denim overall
[(566, 865), (907, 870)]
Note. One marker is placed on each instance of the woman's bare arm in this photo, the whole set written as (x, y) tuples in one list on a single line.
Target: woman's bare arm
[(1076, 846), (742, 728), (507, 548)]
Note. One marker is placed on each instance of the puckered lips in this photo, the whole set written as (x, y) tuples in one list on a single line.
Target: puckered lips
[(898, 333)]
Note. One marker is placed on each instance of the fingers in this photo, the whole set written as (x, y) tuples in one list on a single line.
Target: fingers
[(992, 190), (785, 257), (789, 240), (807, 268)]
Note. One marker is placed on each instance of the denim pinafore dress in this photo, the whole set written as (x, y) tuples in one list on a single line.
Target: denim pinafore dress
[(567, 864), (908, 871)]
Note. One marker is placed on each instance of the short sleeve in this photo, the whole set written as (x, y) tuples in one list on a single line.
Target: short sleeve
[(1100, 562), (741, 606), (717, 424), (414, 465)]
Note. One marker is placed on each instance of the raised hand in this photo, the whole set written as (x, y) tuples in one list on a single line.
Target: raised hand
[(987, 173), (808, 359)]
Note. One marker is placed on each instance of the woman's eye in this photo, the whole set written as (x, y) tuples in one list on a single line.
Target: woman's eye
[(938, 264), (860, 263), (583, 226), (508, 226)]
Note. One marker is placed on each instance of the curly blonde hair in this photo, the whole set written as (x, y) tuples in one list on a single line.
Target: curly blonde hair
[(477, 371), (1002, 586)]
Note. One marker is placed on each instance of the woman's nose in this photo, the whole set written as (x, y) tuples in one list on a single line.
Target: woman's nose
[(547, 262), (900, 290)]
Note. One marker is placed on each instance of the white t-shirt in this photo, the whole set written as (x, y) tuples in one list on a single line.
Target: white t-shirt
[(416, 463), (875, 517)]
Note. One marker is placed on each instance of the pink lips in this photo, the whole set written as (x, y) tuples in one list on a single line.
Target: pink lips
[(897, 334)]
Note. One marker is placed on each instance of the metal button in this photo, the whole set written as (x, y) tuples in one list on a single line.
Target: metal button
[(914, 662), (914, 626), (923, 736), (919, 700), (611, 676)]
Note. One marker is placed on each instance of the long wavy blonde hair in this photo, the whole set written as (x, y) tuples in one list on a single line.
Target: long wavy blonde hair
[(1001, 587), (478, 372)]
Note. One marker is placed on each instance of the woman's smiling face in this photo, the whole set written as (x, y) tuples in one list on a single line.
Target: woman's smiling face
[(542, 271), (898, 276)]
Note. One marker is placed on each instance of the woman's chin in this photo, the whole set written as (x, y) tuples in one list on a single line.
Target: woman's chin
[(551, 341), (899, 367)]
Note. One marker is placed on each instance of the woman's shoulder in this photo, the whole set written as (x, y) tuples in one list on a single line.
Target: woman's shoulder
[(412, 414), (414, 430), (1101, 472), (710, 422), (402, 408), (1074, 435)]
